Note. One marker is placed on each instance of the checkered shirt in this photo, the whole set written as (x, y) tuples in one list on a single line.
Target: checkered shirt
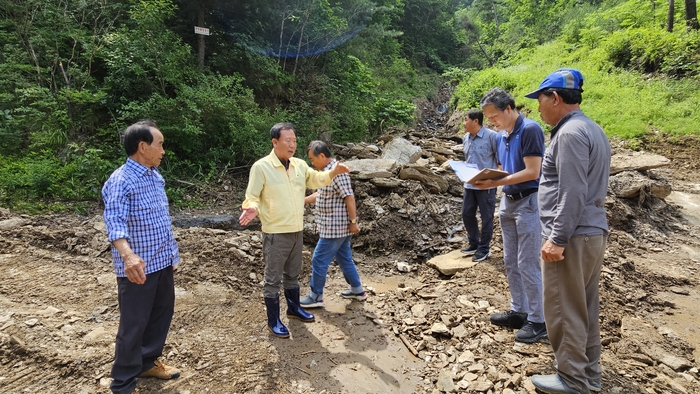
[(136, 208), (332, 219)]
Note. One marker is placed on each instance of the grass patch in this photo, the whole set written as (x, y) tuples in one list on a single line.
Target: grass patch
[(626, 104)]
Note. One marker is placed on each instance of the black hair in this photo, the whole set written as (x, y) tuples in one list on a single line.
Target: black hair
[(568, 96), (476, 114), (276, 130), (318, 147), (499, 98), (137, 132)]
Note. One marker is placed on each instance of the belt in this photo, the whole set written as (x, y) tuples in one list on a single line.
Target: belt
[(521, 195)]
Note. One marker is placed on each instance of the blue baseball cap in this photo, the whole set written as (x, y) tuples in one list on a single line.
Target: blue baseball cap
[(563, 78)]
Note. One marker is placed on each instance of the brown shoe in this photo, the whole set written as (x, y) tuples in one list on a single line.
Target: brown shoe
[(161, 371)]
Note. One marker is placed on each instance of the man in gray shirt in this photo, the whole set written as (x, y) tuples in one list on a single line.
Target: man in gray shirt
[(573, 186), (481, 151)]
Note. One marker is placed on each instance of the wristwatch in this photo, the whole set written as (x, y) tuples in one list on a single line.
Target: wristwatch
[(353, 221)]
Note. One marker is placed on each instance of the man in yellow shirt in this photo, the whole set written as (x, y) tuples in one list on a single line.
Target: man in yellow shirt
[(275, 192)]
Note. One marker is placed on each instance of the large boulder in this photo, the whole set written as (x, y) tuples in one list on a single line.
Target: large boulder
[(371, 166), (402, 151), (639, 161), (451, 263)]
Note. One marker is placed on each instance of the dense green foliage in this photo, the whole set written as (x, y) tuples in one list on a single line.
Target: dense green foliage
[(639, 78), (77, 72)]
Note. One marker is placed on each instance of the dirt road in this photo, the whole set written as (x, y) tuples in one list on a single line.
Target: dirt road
[(58, 310)]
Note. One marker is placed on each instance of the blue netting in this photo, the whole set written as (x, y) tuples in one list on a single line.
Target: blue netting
[(292, 28)]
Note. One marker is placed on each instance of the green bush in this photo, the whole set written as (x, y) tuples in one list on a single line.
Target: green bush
[(212, 122), (77, 176)]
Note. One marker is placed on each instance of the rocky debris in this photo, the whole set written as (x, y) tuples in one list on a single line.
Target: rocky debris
[(629, 184), (9, 224), (455, 123), (435, 183)]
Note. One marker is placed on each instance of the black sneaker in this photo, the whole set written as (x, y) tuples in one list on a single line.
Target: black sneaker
[(531, 332), (469, 250), (481, 256), (510, 319)]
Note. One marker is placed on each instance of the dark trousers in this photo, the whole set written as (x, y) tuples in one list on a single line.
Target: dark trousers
[(485, 200), (145, 314)]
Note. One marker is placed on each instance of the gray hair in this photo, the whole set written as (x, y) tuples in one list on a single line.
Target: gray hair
[(318, 147), (499, 98)]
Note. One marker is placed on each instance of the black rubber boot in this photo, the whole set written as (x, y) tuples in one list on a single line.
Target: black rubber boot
[(294, 310)]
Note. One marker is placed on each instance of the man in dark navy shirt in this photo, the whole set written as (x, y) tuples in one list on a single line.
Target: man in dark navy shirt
[(520, 152)]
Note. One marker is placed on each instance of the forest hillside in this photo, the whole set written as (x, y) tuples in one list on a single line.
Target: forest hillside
[(76, 73)]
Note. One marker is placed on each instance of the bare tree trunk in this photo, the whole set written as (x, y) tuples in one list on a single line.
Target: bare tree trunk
[(486, 55), (495, 17), (671, 11), (200, 22), (301, 37), (691, 15)]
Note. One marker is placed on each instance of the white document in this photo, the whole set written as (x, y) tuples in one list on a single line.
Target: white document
[(470, 173)]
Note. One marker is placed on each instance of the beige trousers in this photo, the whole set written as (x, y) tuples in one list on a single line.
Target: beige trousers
[(571, 307)]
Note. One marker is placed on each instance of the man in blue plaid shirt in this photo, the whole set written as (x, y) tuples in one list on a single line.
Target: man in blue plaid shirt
[(144, 252), (336, 222)]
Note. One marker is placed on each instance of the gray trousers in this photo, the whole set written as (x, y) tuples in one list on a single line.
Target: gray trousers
[(282, 255), (571, 310), (522, 241)]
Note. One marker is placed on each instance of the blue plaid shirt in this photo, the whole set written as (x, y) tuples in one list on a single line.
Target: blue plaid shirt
[(136, 208)]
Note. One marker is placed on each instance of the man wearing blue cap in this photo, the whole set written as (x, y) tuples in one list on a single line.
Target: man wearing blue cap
[(574, 183), (520, 151)]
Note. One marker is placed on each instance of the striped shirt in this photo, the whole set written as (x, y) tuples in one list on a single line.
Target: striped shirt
[(332, 219), (136, 209)]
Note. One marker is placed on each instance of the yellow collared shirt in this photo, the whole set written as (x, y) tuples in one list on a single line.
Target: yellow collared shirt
[(278, 194)]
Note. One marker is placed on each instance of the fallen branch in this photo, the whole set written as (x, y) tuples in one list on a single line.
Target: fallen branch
[(410, 347), (304, 371), (185, 182)]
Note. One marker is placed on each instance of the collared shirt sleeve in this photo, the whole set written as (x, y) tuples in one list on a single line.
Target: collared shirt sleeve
[(255, 187), (572, 167), (343, 184), (317, 179), (532, 140), (115, 195)]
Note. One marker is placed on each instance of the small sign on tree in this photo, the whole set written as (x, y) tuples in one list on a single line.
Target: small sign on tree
[(201, 30)]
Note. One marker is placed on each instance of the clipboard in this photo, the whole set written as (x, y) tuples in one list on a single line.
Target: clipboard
[(468, 173)]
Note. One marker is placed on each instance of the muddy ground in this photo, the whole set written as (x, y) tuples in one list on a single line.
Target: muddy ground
[(418, 332)]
